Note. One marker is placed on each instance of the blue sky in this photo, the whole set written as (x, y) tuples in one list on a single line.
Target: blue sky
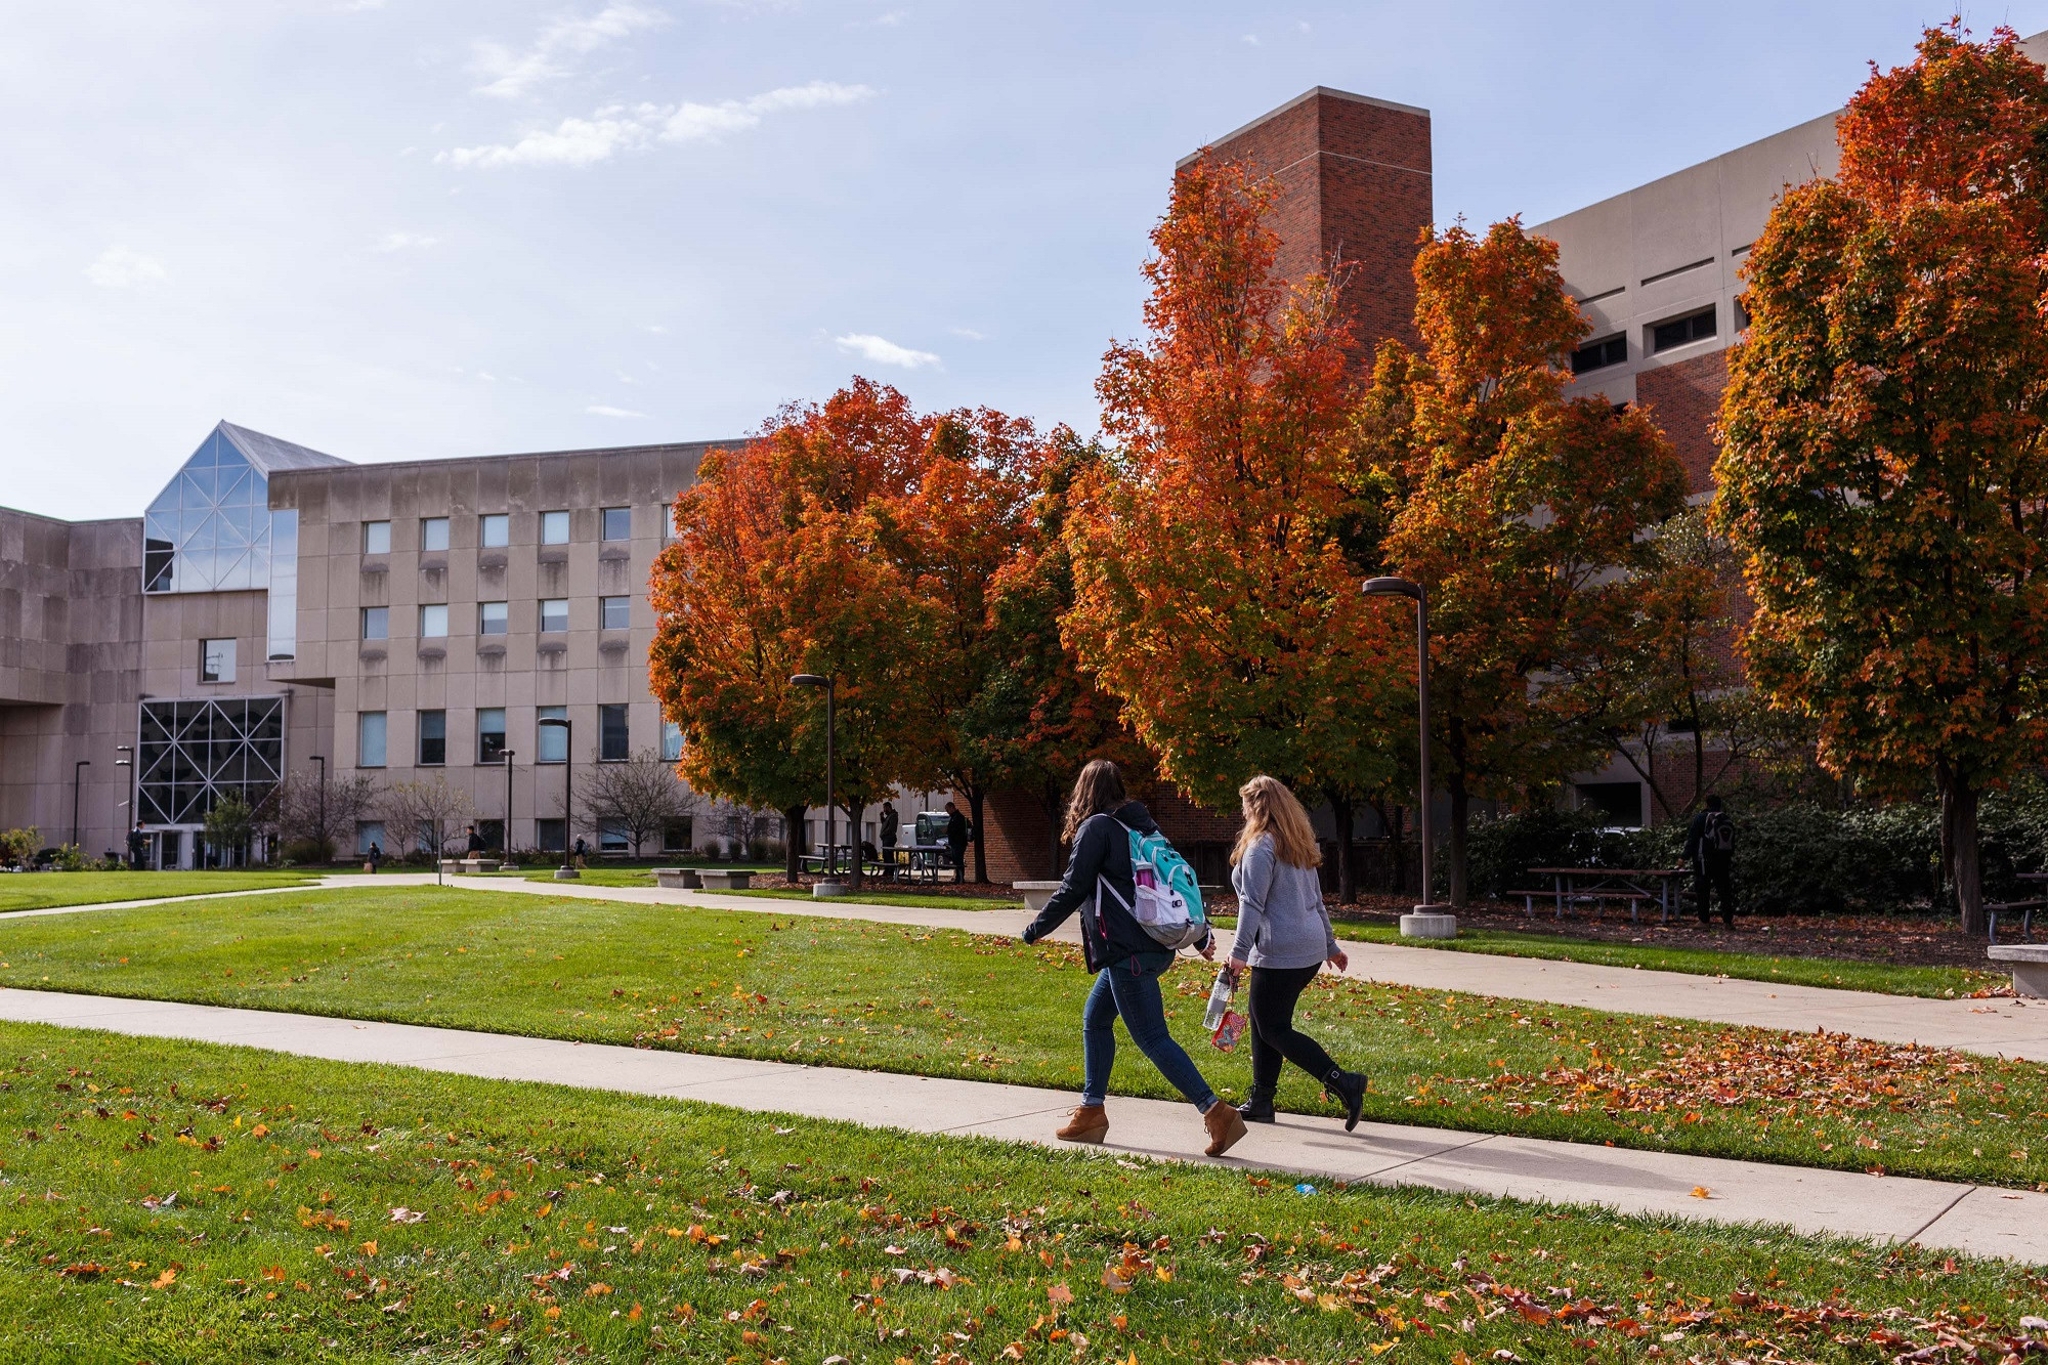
[(395, 229)]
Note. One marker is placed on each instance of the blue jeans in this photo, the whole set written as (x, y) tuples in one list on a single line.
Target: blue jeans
[(1134, 995)]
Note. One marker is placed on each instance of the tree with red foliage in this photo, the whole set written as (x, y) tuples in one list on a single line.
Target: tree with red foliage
[(1883, 469)]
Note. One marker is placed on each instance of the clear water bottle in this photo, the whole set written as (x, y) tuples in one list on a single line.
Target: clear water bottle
[(1219, 1001)]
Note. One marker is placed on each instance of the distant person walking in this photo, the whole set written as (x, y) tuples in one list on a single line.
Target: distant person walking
[(376, 856), (138, 847), (476, 842), (1283, 938), (889, 827), (1126, 960), (958, 833), (1710, 848)]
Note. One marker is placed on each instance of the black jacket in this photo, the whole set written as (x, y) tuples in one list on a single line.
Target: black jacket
[(1102, 853), (958, 832), (1696, 846)]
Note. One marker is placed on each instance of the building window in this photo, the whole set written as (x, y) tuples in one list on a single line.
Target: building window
[(1682, 331), (1620, 802), (551, 742), (613, 745), (1598, 355), (490, 734), (492, 832), (433, 533), (490, 618), (191, 754), (376, 623), (433, 738), (618, 523), (554, 528), (494, 531), (370, 832), (612, 837), (376, 537), (554, 614), (676, 836), (671, 741), (618, 612), (551, 835), (370, 739), (1741, 314), (216, 661), (433, 620), (668, 522)]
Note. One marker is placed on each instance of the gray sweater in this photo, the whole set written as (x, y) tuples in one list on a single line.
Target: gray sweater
[(1281, 921)]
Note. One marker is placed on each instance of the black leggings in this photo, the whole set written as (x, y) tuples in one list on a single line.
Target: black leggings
[(1270, 1002)]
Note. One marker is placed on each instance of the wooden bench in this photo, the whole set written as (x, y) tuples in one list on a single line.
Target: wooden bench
[(2024, 909), (1634, 899), (725, 878), (2029, 967)]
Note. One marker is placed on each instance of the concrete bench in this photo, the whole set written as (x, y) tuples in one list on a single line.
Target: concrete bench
[(724, 879), (2029, 967), (1035, 894), (678, 878), (451, 866), (475, 865)]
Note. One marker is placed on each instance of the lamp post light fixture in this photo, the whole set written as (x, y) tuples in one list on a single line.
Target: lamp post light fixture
[(829, 884), (505, 838), (326, 843), (127, 836), (77, 776), (567, 871), (1427, 920)]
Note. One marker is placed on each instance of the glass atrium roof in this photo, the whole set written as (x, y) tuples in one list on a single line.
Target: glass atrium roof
[(209, 530)]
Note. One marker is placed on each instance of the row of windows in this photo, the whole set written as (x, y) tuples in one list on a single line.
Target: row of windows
[(1601, 352), (493, 618), (494, 530), (550, 742)]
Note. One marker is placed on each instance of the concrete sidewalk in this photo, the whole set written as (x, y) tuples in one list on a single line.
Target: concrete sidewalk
[(2001, 1027), (1978, 1220)]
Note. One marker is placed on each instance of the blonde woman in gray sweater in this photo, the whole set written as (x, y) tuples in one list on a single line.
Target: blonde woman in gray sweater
[(1283, 938)]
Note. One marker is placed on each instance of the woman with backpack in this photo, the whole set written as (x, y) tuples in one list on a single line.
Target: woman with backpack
[(1283, 938), (1127, 961)]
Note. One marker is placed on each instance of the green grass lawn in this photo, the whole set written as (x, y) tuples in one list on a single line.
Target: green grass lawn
[(1834, 973), (40, 890), (947, 1003), (179, 1202), (932, 900)]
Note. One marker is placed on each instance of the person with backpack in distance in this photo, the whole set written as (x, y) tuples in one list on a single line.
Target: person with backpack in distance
[(1139, 906), (1283, 938), (1710, 848)]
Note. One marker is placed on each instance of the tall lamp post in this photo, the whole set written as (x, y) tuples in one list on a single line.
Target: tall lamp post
[(134, 817), (326, 844), (1427, 920), (77, 777), (829, 884), (505, 839), (567, 871)]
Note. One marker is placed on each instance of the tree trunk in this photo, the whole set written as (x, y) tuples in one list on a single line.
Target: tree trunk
[(1347, 867), (1461, 812), (1961, 823), (853, 814), (793, 840), (1944, 785), (975, 799)]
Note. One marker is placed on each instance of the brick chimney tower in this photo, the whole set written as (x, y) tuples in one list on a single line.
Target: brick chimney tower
[(1353, 175)]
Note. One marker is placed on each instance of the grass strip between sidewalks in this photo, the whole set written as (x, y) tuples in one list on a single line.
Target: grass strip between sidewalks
[(190, 1202), (893, 998), (43, 890)]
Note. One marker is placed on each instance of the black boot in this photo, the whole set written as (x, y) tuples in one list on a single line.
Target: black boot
[(1258, 1108), (1348, 1088)]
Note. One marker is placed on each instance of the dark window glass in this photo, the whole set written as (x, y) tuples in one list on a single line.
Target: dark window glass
[(618, 523), (433, 738), (376, 623), (675, 836), (490, 734), (618, 612), (1598, 355), (1682, 331), (551, 835), (1621, 803), (612, 739)]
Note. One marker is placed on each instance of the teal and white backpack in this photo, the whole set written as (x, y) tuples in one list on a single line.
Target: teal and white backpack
[(1169, 900)]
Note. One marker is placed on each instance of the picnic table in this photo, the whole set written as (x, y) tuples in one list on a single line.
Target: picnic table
[(1595, 885), (2023, 908), (901, 862)]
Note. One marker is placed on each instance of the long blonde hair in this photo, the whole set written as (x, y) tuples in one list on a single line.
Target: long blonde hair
[(1269, 808), (1099, 788)]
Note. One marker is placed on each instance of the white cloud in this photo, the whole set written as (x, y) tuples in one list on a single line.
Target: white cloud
[(1252, 39), (513, 74), (606, 410), (399, 241), (120, 267), (967, 332), (622, 128), (657, 328), (882, 351)]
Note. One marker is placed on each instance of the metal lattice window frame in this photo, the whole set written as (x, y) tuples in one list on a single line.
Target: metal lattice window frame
[(194, 753)]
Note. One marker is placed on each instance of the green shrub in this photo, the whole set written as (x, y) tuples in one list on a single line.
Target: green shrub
[(67, 858)]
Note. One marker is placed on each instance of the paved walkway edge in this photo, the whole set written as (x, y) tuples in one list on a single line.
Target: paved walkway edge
[(1976, 1220)]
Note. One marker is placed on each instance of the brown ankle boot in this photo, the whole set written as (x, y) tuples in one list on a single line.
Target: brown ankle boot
[(1225, 1127), (1089, 1123)]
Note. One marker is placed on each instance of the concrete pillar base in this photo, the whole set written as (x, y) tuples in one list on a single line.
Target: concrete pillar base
[(2030, 980), (567, 874), (824, 890), (1429, 921)]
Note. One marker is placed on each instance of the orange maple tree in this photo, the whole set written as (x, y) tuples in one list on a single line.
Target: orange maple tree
[(1216, 588), (1526, 515), (1883, 470)]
